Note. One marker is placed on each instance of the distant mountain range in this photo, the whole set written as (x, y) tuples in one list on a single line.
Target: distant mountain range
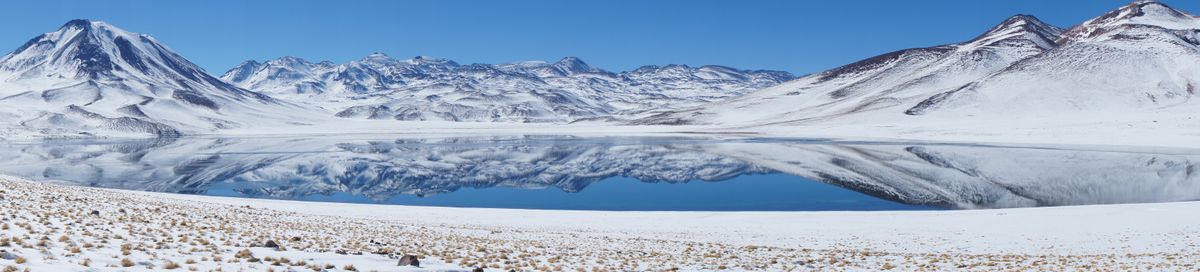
[(1138, 64), (90, 78), (424, 88)]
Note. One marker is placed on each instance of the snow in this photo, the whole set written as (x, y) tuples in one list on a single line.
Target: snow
[(1120, 83), (1124, 78), (85, 78), (424, 88), (1127, 237)]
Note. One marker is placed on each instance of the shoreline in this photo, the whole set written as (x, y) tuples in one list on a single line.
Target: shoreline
[(1158, 236), (1094, 136), (1168, 144)]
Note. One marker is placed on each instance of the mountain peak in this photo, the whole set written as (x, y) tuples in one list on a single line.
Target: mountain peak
[(1020, 27), (1146, 2), (122, 81), (85, 24), (77, 23), (1138, 13), (288, 61), (84, 49), (427, 60), (94, 50), (573, 65), (242, 71), (1144, 9), (378, 57), (250, 63)]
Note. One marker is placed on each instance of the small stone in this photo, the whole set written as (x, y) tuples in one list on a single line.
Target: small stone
[(271, 244), (8, 255), (477, 269), (409, 260)]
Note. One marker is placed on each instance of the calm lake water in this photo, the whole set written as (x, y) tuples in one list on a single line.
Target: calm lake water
[(615, 173)]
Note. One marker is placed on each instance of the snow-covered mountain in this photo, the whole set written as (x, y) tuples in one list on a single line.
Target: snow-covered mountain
[(1136, 65), (424, 88), (89, 77)]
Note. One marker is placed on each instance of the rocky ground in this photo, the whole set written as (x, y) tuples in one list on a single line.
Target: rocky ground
[(48, 227)]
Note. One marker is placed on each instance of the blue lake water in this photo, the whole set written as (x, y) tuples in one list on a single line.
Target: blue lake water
[(763, 192), (616, 173)]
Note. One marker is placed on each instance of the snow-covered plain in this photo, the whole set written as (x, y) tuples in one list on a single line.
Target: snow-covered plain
[(51, 227)]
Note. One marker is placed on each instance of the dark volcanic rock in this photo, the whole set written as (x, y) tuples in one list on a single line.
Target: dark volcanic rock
[(409, 260)]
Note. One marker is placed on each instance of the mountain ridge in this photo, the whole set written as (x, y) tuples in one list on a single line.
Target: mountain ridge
[(425, 88), (1128, 66)]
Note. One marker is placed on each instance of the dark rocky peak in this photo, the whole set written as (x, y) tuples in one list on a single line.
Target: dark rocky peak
[(1020, 27), (574, 65)]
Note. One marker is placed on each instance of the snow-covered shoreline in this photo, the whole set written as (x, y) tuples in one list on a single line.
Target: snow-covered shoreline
[(1148, 135), (1114, 136), (1140, 236)]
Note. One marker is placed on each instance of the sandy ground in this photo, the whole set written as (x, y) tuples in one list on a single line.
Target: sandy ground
[(49, 227)]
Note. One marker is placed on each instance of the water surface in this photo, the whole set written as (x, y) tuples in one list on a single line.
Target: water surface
[(615, 173)]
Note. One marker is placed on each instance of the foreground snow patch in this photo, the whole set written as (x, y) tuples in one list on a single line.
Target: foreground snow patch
[(50, 227)]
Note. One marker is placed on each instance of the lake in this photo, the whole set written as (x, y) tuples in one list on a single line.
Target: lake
[(615, 173)]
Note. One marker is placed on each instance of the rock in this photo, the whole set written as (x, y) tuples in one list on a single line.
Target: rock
[(271, 244), (95, 213), (8, 255), (409, 260)]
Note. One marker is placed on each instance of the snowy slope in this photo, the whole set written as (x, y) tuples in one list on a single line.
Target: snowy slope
[(424, 88), (89, 78), (1140, 60), (886, 82), (1132, 66)]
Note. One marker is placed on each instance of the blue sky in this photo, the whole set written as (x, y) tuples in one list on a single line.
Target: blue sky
[(796, 36)]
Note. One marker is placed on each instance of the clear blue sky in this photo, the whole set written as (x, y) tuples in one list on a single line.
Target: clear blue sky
[(796, 36)]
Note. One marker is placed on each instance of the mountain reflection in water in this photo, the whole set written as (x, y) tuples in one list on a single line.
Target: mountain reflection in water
[(349, 169)]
